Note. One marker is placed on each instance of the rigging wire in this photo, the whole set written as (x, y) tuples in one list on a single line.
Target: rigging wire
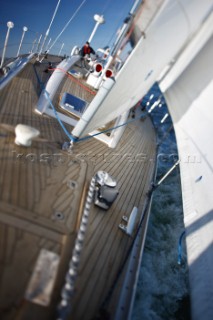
[(103, 11), (16, 44), (118, 25), (51, 22), (73, 139), (120, 46), (70, 137), (67, 24), (105, 8), (111, 290)]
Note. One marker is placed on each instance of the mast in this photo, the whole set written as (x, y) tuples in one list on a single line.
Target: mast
[(118, 41), (142, 69), (10, 25), (66, 25), (99, 20), (22, 38)]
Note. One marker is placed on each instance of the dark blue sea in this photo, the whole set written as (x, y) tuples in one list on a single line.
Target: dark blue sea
[(162, 291)]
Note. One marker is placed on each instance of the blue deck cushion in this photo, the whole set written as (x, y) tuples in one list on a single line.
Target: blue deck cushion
[(72, 104)]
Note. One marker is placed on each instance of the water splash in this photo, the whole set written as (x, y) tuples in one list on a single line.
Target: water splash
[(162, 291)]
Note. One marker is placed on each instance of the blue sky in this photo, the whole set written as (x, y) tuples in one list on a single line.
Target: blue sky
[(37, 14)]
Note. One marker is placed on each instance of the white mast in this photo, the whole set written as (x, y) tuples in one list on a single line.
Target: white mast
[(117, 43), (142, 68), (10, 25), (66, 25), (99, 20), (22, 38)]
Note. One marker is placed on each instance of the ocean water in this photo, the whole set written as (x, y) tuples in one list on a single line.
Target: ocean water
[(162, 291)]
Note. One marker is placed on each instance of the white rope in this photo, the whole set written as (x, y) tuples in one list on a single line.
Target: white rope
[(73, 16)]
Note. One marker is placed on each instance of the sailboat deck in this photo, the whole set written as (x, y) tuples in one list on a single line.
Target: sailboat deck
[(43, 190)]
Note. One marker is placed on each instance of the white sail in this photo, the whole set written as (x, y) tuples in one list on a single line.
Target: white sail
[(190, 99), (166, 35)]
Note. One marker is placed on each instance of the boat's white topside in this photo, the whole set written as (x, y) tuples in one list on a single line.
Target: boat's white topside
[(189, 93), (190, 104)]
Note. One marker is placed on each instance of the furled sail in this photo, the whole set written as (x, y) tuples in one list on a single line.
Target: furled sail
[(168, 32)]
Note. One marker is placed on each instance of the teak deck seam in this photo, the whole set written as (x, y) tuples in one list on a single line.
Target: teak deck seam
[(34, 188)]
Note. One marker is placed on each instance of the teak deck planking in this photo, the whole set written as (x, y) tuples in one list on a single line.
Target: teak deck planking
[(40, 181)]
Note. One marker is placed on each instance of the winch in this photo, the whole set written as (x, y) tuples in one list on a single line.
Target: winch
[(105, 190)]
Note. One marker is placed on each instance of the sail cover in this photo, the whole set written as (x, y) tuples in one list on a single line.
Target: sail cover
[(168, 32), (190, 101)]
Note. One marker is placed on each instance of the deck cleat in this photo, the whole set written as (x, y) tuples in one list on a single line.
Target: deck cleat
[(25, 134)]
